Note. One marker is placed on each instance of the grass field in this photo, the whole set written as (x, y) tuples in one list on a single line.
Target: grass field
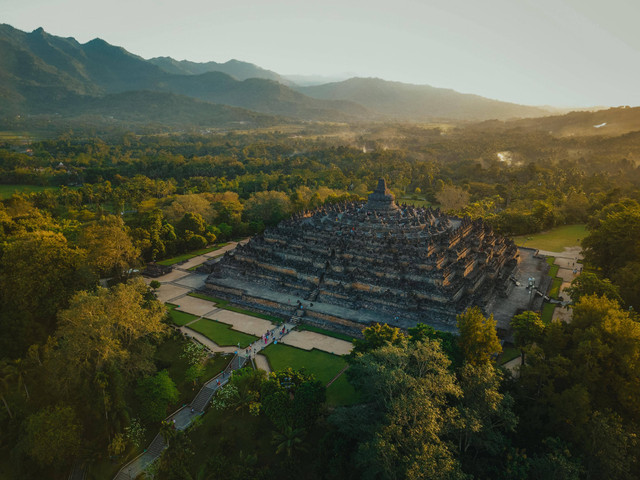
[(416, 202), (179, 318), (7, 190), (324, 366), (554, 240), (224, 304), (547, 313), (187, 256), (222, 334)]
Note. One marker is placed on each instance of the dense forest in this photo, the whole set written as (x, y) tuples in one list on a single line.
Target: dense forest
[(88, 358)]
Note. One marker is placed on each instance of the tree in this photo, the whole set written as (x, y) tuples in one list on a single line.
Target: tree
[(448, 341), (478, 336), (527, 329), (109, 246), (7, 373), (40, 272), (289, 440), (615, 240), (407, 390), (105, 338), (53, 435), (485, 417), (452, 198), (591, 284), (155, 394), (291, 398), (268, 207), (376, 336)]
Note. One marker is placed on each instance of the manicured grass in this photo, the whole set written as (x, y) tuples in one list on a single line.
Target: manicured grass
[(328, 333), (222, 333), (554, 292), (341, 392), (7, 190), (508, 354), (179, 318), (224, 304), (324, 366), (554, 240), (547, 312), (187, 256), (553, 270)]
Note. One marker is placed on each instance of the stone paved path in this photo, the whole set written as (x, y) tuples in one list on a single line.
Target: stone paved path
[(568, 260), (309, 340)]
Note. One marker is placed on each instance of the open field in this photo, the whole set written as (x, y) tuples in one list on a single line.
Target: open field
[(554, 240), (7, 190), (324, 366), (222, 334)]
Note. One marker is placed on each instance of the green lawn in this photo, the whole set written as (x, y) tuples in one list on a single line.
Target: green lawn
[(224, 304), (328, 333), (324, 366), (7, 190), (179, 318), (508, 354), (187, 256), (554, 240), (547, 312), (222, 334), (555, 287)]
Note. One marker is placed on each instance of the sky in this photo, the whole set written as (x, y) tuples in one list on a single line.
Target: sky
[(566, 53)]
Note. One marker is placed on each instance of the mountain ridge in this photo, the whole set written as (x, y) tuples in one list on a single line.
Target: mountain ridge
[(40, 72)]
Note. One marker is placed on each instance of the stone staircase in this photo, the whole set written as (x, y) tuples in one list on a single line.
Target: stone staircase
[(203, 398), (136, 466)]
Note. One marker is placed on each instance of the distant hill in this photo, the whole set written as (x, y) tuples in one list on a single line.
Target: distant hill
[(234, 68), (418, 102), (610, 122)]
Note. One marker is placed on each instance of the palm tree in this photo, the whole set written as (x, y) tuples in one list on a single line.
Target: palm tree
[(168, 430), (21, 369), (289, 440), (7, 372)]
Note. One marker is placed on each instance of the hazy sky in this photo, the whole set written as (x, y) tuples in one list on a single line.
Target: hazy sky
[(554, 52)]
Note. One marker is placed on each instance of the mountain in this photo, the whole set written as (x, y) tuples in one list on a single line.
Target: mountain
[(41, 73), (234, 68), (418, 102)]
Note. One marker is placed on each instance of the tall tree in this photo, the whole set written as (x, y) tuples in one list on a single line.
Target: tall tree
[(110, 248), (478, 337)]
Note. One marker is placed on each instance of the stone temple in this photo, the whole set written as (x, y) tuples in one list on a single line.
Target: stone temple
[(346, 266)]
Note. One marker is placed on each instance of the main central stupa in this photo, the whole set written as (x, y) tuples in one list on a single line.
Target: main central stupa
[(349, 265)]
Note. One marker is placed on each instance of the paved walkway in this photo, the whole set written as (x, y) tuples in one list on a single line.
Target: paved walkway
[(570, 263)]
